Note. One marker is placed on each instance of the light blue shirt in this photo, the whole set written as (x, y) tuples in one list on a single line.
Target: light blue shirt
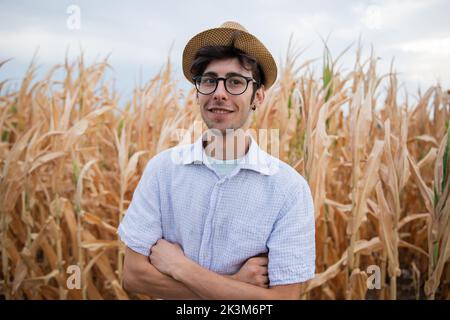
[(262, 205)]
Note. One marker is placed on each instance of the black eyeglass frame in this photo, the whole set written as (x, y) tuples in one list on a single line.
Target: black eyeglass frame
[(248, 79)]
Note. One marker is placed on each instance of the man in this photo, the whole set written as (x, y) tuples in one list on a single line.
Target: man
[(216, 219)]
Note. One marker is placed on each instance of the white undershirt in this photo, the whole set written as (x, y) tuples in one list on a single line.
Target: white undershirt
[(222, 167)]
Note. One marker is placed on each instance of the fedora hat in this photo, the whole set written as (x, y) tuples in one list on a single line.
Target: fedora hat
[(223, 36)]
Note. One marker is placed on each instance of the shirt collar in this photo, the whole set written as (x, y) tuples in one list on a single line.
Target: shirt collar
[(255, 159)]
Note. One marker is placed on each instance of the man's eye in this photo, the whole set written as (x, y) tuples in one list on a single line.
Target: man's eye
[(208, 80), (236, 82)]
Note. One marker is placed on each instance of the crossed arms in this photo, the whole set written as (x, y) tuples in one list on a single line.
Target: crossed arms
[(168, 274)]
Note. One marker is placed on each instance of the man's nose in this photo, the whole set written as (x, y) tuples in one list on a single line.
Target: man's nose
[(220, 93)]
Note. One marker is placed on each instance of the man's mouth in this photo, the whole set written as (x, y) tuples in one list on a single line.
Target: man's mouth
[(220, 110)]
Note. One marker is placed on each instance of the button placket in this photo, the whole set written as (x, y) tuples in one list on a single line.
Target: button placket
[(212, 230), (206, 239)]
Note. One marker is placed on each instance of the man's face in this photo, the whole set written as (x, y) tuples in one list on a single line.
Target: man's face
[(238, 106)]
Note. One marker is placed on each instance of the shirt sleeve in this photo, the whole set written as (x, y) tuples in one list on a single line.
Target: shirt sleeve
[(141, 226), (292, 251)]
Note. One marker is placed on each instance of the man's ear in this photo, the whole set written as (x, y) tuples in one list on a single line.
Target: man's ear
[(260, 95)]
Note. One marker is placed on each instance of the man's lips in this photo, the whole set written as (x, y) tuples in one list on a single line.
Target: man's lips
[(220, 110), (211, 109)]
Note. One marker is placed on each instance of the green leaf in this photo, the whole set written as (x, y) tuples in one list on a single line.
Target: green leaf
[(5, 136), (436, 197), (119, 128), (435, 253), (75, 172), (445, 163), (327, 73), (289, 105)]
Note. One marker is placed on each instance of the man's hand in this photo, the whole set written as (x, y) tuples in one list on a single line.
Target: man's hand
[(169, 258), (254, 271), (166, 256), (140, 276)]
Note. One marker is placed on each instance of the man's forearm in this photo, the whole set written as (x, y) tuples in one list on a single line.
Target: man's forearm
[(210, 285), (148, 280)]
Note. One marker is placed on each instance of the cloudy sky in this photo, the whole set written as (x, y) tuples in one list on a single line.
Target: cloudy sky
[(141, 35)]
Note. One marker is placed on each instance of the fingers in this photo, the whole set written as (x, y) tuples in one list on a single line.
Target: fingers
[(260, 261), (256, 270), (262, 270), (263, 281)]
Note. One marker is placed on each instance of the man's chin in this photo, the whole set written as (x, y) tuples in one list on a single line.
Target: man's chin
[(218, 131), (222, 128)]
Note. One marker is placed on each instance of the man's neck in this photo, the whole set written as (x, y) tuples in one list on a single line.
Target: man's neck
[(227, 147)]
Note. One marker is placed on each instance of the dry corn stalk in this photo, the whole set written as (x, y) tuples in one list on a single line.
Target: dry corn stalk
[(71, 157)]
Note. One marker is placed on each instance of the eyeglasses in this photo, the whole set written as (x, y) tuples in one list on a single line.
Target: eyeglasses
[(234, 85)]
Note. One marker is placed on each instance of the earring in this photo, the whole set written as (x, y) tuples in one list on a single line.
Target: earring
[(254, 108)]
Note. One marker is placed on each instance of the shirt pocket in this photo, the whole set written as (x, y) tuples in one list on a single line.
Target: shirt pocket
[(250, 237)]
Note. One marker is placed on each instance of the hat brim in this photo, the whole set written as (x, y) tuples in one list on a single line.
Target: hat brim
[(223, 37)]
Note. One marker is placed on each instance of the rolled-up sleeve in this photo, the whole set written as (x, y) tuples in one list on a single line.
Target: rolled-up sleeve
[(292, 241), (141, 226)]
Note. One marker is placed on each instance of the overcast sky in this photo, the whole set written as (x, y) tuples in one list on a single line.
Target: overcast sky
[(141, 35)]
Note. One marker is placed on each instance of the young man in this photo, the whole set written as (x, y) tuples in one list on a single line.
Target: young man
[(217, 219)]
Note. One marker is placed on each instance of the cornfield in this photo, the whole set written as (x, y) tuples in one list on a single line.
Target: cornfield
[(71, 156)]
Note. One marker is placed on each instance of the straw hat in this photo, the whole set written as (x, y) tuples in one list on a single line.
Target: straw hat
[(222, 36)]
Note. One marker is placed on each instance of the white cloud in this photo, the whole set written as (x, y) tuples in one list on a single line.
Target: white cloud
[(141, 34), (424, 61), (372, 17), (433, 46), (390, 14), (52, 45)]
